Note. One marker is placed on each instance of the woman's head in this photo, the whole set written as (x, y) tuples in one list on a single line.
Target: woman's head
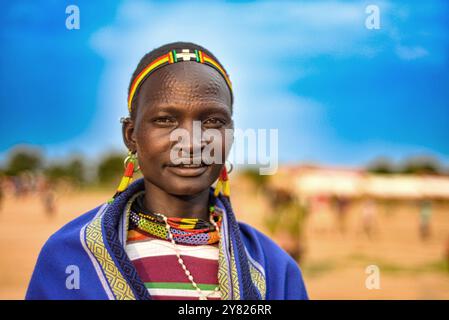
[(176, 98)]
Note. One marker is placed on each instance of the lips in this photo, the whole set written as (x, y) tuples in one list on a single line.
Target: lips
[(190, 165), (188, 170)]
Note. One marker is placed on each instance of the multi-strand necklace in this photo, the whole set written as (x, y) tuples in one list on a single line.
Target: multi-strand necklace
[(188, 231)]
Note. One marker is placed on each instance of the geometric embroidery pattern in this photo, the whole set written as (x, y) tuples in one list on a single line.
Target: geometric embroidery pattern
[(258, 279), (94, 241), (223, 273), (119, 253), (234, 275), (249, 289), (122, 276)]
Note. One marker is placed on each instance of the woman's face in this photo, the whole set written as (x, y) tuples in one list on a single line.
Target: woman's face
[(168, 103)]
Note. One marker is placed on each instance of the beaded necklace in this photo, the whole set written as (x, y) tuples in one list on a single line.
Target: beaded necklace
[(185, 230), (181, 261)]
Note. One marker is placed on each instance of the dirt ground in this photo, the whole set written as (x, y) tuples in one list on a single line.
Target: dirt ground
[(334, 264)]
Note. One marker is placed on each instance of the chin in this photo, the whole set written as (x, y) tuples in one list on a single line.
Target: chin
[(188, 186)]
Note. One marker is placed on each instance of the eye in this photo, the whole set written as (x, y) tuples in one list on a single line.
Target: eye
[(214, 123), (165, 121)]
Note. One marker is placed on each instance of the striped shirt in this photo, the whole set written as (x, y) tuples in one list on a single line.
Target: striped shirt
[(157, 265)]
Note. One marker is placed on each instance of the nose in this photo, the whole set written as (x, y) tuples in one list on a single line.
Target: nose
[(190, 142)]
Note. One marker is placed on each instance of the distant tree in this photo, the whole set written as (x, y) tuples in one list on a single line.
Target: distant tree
[(381, 166), (421, 165), (24, 159), (110, 168), (72, 170), (75, 170), (413, 165), (55, 172)]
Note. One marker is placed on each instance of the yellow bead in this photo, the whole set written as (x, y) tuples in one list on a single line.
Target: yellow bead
[(123, 184), (227, 189), (218, 188)]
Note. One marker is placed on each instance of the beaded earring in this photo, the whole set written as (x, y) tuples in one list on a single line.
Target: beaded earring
[(223, 183), (131, 166)]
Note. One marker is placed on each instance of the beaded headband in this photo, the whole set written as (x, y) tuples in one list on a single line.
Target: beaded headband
[(173, 57)]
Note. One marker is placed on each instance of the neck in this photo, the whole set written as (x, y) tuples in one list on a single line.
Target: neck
[(192, 206)]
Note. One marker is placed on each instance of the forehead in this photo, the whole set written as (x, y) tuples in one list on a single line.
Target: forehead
[(187, 83)]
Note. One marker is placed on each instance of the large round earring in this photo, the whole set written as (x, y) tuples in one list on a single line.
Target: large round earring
[(231, 165), (131, 166)]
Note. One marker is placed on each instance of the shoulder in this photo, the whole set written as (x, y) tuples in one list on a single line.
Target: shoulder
[(66, 240), (63, 249), (71, 230)]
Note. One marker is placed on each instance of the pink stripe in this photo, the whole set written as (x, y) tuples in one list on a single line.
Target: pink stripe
[(168, 269), (140, 236)]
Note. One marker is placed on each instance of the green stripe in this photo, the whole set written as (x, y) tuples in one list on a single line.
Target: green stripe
[(197, 56), (174, 56), (178, 285)]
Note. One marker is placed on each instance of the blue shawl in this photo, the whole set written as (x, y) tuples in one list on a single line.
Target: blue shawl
[(92, 248)]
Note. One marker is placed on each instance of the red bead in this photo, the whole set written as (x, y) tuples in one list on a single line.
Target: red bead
[(129, 169)]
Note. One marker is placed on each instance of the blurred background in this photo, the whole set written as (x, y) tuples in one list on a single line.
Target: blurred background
[(361, 103)]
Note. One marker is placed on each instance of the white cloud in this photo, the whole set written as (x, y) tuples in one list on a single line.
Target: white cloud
[(411, 53), (252, 40), (255, 41)]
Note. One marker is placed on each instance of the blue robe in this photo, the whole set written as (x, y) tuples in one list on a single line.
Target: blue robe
[(86, 259)]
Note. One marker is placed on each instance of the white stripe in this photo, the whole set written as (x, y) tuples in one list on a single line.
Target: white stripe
[(183, 293), (123, 228), (155, 248), (123, 223), (255, 263)]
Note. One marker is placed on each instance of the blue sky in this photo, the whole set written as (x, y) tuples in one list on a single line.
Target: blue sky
[(338, 92)]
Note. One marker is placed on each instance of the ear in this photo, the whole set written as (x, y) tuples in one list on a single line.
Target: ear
[(128, 134)]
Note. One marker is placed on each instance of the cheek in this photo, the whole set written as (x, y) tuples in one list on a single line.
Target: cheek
[(152, 143), (215, 172), (218, 147)]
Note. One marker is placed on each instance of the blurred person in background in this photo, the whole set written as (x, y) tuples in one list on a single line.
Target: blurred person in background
[(425, 214), (47, 193), (369, 212), (2, 186), (341, 208)]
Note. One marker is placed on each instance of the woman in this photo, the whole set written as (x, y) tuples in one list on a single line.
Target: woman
[(169, 235)]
